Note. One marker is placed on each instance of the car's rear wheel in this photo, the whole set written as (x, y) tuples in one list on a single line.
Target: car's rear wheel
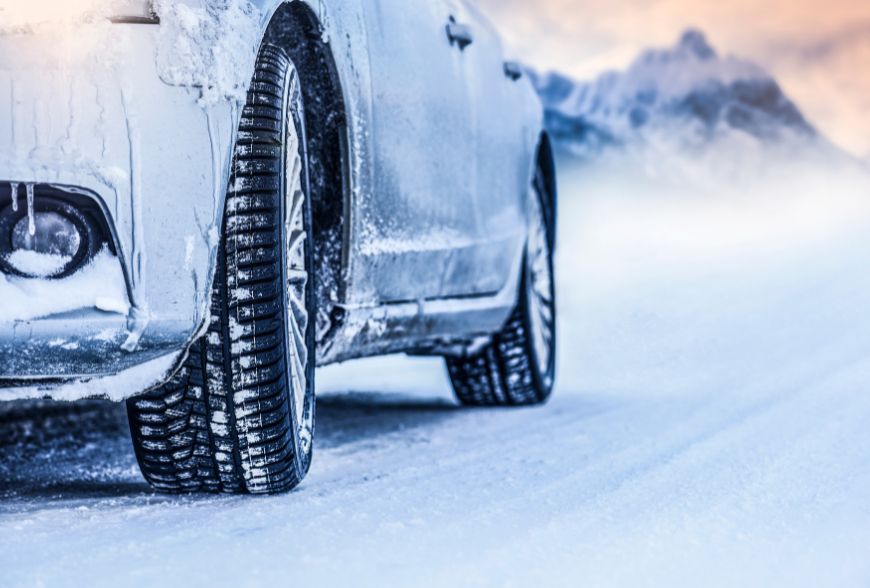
[(239, 416), (517, 367)]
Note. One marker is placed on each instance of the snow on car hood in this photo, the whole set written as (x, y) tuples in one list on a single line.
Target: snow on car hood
[(210, 46), (15, 14), (205, 44)]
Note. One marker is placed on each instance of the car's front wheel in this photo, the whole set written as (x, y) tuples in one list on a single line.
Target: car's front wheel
[(517, 367), (239, 416)]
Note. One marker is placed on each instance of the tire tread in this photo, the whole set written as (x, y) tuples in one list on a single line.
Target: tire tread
[(223, 423)]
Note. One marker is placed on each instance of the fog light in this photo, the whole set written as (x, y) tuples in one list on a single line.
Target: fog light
[(50, 239), (43, 244)]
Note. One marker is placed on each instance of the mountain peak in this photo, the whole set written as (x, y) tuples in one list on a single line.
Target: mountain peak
[(686, 93), (694, 42), (691, 47)]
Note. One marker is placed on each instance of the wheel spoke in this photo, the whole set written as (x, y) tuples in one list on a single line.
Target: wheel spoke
[(546, 314), (297, 277), (294, 216), (543, 292), (297, 332)]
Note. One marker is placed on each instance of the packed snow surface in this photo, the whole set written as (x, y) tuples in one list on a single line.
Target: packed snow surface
[(711, 427)]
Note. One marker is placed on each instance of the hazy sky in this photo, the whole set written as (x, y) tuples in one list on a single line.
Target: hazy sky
[(818, 49)]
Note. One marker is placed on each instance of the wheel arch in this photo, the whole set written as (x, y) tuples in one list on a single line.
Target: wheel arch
[(297, 29)]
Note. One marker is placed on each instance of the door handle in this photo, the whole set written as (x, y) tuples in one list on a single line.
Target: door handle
[(513, 70), (459, 34)]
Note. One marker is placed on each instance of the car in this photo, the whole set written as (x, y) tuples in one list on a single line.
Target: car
[(200, 202)]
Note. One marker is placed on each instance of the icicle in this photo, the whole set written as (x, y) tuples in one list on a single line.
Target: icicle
[(31, 217), (14, 197)]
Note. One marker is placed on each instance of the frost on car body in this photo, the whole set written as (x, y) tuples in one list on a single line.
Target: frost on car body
[(419, 182), (87, 114)]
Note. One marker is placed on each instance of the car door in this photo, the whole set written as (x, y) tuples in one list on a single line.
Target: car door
[(420, 223), (503, 146)]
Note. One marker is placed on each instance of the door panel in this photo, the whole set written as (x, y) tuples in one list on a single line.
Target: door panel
[(420, 231), (419, 211), (503, 167)]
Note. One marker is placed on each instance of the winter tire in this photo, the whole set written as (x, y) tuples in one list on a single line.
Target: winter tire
[(518, 366), (239, 416)]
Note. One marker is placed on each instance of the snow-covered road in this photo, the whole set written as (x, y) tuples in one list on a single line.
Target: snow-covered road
[(711, 428)]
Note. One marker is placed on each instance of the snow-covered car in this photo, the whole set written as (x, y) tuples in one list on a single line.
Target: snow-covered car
[(201, 200)]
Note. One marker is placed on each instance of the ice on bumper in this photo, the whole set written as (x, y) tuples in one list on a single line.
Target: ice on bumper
[(63, 328)]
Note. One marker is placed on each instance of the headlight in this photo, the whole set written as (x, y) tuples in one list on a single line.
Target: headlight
[(23, 13)]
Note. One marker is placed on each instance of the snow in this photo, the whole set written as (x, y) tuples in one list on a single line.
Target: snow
[(710, 427), (438, 239), (41, 265), (99, 285), (23, 16), (116, 388), (209, 46), (109, 304)]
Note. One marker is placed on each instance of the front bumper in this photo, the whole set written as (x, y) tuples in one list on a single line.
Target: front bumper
[(90, 110)]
